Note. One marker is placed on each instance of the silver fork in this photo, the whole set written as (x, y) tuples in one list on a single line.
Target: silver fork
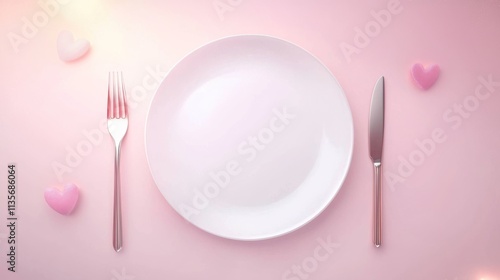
[(117, 127)]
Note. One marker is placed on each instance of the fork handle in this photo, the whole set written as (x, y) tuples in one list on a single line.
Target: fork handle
[(117, 208), (377, 204)]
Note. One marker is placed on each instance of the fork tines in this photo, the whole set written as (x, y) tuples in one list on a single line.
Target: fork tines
[(117, 97)]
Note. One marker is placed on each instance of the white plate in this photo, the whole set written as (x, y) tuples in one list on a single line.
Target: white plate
[(249, 137)]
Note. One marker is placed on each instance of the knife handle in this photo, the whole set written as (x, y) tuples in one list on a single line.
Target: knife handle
[(377, 204)]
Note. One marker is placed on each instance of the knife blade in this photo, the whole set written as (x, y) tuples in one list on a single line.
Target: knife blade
[(376, 147)]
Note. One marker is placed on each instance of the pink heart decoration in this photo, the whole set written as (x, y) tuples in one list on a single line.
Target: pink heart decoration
[(425, 78), (69, 49), (63, 202)]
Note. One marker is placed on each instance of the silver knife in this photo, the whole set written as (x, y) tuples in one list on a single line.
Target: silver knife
[(376, 144)]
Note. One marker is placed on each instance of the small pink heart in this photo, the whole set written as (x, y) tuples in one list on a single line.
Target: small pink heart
[(69, 49), (425, 77), (63, 202)]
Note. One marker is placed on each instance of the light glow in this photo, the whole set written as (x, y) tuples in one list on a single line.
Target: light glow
[(83, 11)]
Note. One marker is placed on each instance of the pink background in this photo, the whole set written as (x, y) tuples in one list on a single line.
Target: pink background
[(442, 222)]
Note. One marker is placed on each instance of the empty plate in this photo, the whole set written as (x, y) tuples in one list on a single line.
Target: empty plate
[(249, 137)]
